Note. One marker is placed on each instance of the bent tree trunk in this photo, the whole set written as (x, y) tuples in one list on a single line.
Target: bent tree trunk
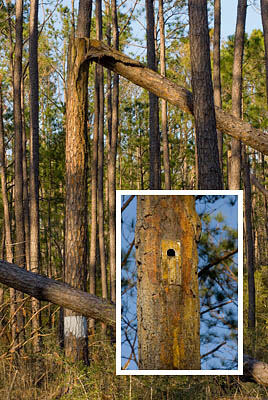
[(179, 96), (167, 286)]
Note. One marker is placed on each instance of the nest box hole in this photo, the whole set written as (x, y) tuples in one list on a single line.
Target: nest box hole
[(171, 253)]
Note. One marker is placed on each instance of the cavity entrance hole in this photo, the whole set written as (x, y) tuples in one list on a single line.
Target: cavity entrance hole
[(171, 253)]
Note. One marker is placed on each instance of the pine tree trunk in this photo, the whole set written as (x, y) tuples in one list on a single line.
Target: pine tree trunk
[(209, 172), (155, 179), (249, 240), (235, 162), (100, 116), (7, 219), (34, 162), (75, 325), (217, 69), (168, 308), (264, 16), (164, 102), (18, 179), (112, 158)]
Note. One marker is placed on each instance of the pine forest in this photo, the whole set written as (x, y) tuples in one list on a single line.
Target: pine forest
[(145, 95)]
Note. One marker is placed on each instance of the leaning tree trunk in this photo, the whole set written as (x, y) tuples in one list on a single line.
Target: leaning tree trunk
[(168, 308), (150, 80)]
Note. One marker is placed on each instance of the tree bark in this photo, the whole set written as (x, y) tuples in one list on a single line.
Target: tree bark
[(99, 113), (264, 16), (56, 292), (7, 219), (34, 162), (235, 162), (249, 241), (154, 137), (217, 69), (75, 325), (112, 160), (209, 172), (179, 96), (18, 179), (164, 124), (167, 286)]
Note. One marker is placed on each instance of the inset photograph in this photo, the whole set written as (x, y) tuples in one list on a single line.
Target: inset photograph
[(179, 283)]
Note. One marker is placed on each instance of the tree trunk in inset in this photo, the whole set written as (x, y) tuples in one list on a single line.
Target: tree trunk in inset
[(75, 325), (34, 162), (209, 171), (235, 162), (167, 229), (164, 124), (155, 165)]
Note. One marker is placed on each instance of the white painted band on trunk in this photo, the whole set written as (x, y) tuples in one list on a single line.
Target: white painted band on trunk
[(75, 325)]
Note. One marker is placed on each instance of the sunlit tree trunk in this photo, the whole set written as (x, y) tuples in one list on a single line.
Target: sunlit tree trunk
[(18, 179), (209, 172), (217, 68), (164, 124), (235, 162), (167, 229), (34, 161), (264, 16), (249, 240), (100, 115), (155, 181), (112, 157), (7, 219), (75, 325)]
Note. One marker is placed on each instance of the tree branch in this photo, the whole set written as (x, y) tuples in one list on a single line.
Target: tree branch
[(142, 76), (215, 262)]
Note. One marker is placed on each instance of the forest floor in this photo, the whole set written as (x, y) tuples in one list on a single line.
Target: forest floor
[(49, 376)]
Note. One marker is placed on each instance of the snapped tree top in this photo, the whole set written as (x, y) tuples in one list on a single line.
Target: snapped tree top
[(177, 95)]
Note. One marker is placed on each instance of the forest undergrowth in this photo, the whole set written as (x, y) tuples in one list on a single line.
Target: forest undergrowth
[(48, 375)]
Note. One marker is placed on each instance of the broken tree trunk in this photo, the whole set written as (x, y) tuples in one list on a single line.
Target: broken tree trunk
[(59, 293), (142, 76)]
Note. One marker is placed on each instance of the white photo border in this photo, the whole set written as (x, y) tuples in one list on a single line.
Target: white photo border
[(239, 193)]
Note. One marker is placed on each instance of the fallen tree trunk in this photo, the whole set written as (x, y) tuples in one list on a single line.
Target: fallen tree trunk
[(142, 76), (59, 293)]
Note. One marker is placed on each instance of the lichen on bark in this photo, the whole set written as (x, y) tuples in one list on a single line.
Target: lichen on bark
[(167, 305)]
